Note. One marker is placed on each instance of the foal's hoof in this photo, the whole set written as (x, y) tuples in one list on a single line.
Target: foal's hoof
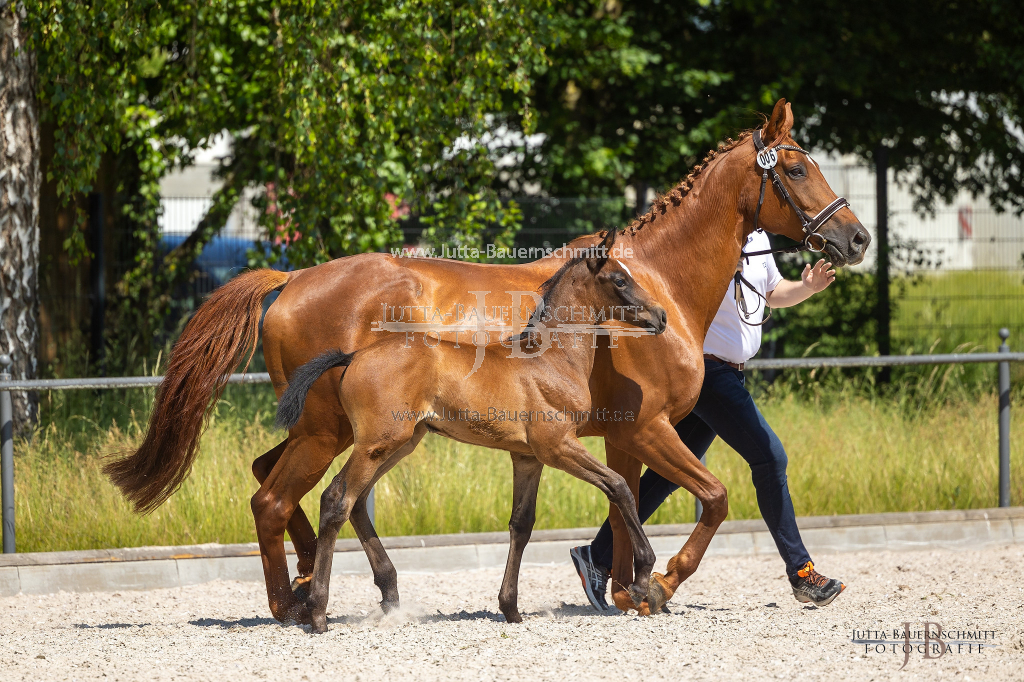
[(297, 614), (300, 587), (637, 595), (318, 626), (658, 594), (388, 606)]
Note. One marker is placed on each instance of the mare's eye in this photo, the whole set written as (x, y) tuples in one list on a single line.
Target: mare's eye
[(619, 282), (797, 171)]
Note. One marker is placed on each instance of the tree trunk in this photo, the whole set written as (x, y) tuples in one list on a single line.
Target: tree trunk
[(19, 207)]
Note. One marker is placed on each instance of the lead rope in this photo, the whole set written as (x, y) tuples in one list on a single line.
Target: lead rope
[(741, 303)]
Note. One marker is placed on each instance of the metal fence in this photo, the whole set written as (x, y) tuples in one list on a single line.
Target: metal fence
[(1004, 357)]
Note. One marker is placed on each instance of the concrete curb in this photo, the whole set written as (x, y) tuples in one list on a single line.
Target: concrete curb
[(144, 568)]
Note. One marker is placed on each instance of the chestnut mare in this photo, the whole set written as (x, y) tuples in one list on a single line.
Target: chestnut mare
[(394, 393), (686, 249)]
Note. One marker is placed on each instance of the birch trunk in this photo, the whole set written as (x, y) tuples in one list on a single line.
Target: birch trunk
[(19, 207)]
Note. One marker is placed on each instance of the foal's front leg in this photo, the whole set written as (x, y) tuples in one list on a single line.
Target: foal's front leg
[(571, 457), (526, 471)]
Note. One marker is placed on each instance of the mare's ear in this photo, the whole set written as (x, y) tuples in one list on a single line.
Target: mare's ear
[(604, 252), (779, 124)]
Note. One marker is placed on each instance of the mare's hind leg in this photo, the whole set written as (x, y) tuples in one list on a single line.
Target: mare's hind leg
[(299, 528), (570, 456), (526, 471), (302, 463), (336, 504)]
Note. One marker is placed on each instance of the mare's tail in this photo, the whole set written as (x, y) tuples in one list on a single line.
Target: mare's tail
[(289, 408), (214, 342)]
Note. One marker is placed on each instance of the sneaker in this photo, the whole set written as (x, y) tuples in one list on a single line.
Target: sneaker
[(594, 577), (811, 586)]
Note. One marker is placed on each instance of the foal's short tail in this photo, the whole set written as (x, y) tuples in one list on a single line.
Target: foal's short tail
[(215, 340), (289, 408)]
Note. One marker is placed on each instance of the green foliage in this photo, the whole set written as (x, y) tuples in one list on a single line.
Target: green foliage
[(939, 82), (343, 116), (621, 102)]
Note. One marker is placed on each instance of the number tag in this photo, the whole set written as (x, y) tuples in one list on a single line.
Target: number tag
[(767, 158)]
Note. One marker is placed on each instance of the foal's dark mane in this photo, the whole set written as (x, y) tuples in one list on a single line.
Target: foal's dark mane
[(546, 290)]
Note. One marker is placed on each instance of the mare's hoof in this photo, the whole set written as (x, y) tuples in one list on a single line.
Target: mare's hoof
[(658, 594), (622, 600), (388, 606), (318, 626), (300, 587)]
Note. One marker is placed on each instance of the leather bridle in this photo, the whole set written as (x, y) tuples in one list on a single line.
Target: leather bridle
[(767, 159)]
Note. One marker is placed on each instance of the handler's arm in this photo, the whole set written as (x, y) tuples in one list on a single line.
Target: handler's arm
[(812, 280)]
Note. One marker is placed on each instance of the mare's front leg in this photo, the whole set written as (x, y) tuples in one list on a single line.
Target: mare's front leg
[(658, 446), (526, 471), (570, 456), (629, 468)]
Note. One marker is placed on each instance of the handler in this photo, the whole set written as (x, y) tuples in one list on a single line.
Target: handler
[(725, 408)]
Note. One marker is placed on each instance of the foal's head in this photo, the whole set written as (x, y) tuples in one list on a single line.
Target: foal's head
[(598, 287)]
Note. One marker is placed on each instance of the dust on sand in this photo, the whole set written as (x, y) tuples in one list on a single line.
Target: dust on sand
[(734, 620)]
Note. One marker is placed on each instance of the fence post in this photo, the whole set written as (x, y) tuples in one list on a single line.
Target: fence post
[(1004, 422), (7, 456)]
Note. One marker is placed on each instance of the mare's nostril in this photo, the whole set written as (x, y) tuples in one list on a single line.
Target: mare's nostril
[(860, 237), (664, 318)]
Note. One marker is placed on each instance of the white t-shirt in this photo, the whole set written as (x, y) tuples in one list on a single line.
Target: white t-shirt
[(729, 338)]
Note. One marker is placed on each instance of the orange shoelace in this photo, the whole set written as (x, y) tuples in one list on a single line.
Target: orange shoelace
[(810, 575)]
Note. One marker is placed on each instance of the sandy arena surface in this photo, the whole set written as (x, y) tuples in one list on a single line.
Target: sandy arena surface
[(734, 620)]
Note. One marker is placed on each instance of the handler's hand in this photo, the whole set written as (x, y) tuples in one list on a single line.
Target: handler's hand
[(819, 277)]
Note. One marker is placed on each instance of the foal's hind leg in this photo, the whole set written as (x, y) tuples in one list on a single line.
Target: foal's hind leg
[(385, 577), (526, 471), (352, 482)]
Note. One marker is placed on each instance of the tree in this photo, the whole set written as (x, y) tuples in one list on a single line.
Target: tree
[(19, 204), (338, 110)]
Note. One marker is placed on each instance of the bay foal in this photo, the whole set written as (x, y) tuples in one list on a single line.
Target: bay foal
[(534, 407)]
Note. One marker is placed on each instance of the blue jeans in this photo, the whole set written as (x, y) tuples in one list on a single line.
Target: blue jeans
[(726, 409)]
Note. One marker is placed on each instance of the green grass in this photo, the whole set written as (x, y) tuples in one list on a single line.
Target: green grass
[(848, 454), (940, 311)]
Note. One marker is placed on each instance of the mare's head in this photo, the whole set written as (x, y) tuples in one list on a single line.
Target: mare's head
[(600, 282), (845, 241)]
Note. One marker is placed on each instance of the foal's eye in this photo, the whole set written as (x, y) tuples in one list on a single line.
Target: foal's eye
[(619, 282), (796, 171)]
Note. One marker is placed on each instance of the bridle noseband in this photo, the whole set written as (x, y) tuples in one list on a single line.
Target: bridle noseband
[(767, 159)]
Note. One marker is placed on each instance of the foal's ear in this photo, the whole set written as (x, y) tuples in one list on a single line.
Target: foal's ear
[(780, 123), (604, 252)]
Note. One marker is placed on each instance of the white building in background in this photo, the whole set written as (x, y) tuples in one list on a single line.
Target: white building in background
[(185, 195), (968, 234)]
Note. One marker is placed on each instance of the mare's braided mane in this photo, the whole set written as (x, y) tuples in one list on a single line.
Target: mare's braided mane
[(675, 196)]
